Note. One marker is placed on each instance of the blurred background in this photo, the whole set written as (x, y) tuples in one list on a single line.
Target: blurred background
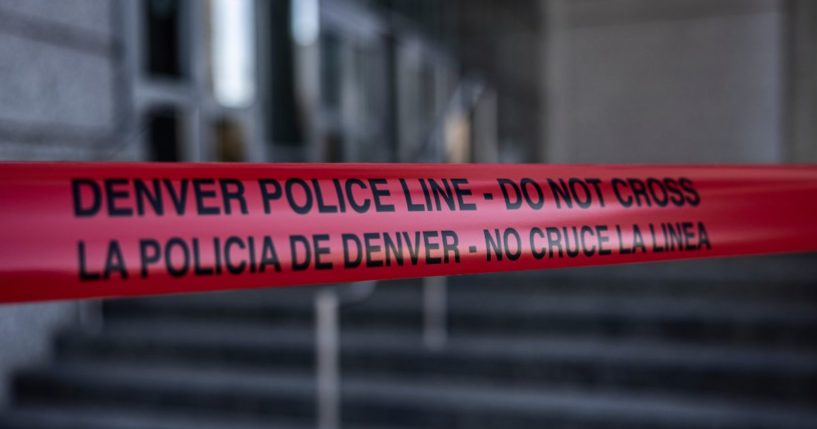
[(726, 343)]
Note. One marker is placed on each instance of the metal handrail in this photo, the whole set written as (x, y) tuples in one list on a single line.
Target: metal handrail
[(328, 301)]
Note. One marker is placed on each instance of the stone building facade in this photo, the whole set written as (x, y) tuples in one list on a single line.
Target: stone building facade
[(574, 80), (59, 71)]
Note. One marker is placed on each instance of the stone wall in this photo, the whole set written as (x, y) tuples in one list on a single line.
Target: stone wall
[(670, 81), (58, 80), (58, 101)]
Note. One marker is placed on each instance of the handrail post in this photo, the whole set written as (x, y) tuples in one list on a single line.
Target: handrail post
[(435, 312), (327, 332)]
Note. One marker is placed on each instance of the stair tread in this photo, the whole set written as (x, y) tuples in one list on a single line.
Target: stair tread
[(491, 304), (599, 349), (62, 417), (438, 395)]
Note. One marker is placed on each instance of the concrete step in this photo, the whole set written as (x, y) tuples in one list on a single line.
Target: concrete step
[(372, 400), (768, 278), (696, 319), (90, 417), (711, 370)]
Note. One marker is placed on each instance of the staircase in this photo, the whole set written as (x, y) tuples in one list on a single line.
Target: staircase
[(712, 344)]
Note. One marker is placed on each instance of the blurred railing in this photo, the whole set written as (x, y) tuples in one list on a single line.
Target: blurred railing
[(435, 148)]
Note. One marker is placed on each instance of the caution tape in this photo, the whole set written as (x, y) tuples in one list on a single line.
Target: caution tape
[(76, 230)]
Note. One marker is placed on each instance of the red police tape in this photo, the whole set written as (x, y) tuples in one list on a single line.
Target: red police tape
[(75, 230)]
